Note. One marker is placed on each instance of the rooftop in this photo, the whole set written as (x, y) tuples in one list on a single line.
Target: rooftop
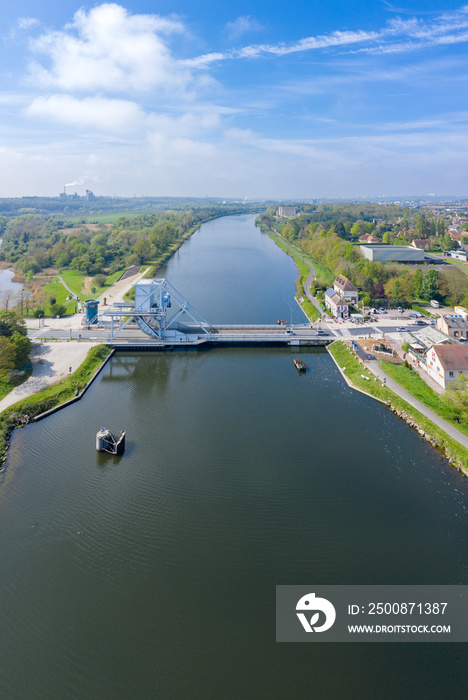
[(344, 284), (452, 357)]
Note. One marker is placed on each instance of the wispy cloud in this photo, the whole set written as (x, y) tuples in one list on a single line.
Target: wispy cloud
[(243, 25), (397, 36)]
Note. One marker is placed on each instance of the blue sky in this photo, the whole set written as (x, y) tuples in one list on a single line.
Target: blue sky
[(259, 100)]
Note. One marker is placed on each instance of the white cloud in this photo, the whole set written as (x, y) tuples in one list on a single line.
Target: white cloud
[(106, 115), (27, 22), (397, 36), (110, 49), (242, 25)]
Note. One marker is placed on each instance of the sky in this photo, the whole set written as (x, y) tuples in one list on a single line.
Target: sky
[(263, 99)]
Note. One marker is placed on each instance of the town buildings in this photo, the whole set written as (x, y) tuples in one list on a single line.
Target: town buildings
[(453, 325), (346, 289), (446, 362), (286, 211), (336, 304)]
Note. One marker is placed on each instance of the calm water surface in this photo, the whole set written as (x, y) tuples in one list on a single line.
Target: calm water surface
[(153, 575)]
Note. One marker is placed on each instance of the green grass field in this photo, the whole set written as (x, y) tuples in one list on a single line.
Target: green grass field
[(57, 290), (417, 387), (74, 279)]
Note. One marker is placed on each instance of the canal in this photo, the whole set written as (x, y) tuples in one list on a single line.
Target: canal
[(153, 575)]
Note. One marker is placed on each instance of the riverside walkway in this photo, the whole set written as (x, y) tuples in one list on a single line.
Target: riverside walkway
[(374, 367)]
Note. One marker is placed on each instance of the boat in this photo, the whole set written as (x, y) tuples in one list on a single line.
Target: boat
[(299, 364), (281, 322)]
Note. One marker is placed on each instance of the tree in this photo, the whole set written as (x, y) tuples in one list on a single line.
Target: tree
[(430, 288), (142, 249), (58, 309), (417, 283), (447, 242), (456, 396), (99, 280), (22, 346), (11, 323), (368, 286), (7, 354), (380, 290)]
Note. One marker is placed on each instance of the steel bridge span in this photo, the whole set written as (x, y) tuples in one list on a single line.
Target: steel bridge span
[(161, 317)]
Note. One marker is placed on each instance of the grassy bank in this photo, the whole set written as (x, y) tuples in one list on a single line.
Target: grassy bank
[(6, 386), (417, 387), (308, 308), (56, 290), (345, 358), (27, 409)]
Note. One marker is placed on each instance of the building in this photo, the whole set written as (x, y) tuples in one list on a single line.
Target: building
[(459, 255), (336, 304), (368, 238), (446, 362), (346, 289), (286, 211), (422, 243), (392, 253), (453, 325), (461, 311)]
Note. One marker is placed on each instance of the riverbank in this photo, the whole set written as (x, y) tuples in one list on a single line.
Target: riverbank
[(360, 378), (60, 393), (309, 304)]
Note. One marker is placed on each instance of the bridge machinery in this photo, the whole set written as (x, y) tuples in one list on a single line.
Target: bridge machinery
[(159, 310)]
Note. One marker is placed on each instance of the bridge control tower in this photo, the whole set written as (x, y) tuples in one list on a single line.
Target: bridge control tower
[(160, 311)]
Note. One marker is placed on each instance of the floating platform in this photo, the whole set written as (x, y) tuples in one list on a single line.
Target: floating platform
[(107, 442)]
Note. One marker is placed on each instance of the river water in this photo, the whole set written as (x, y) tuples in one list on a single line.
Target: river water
[(153, 575), (6, 284)]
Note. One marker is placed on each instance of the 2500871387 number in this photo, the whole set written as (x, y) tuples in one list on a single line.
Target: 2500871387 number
[(406, 608)]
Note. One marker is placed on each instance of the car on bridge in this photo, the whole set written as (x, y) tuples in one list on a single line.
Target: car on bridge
[(321, 332), (401, 329)]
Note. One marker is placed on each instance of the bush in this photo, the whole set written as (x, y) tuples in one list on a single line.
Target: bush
[(16, 376), (58, 309)]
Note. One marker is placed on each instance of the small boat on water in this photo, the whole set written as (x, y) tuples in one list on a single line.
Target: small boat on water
[(299, 364), (281, 322)]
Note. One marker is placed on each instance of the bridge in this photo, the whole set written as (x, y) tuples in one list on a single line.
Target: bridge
[(161, 317)]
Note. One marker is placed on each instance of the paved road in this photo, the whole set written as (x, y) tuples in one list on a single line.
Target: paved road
[(375, 368)]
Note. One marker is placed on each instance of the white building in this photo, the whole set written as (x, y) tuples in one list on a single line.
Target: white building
[(446, 362), (286, 211), (336, 304), (346, 289), (392, 253)]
